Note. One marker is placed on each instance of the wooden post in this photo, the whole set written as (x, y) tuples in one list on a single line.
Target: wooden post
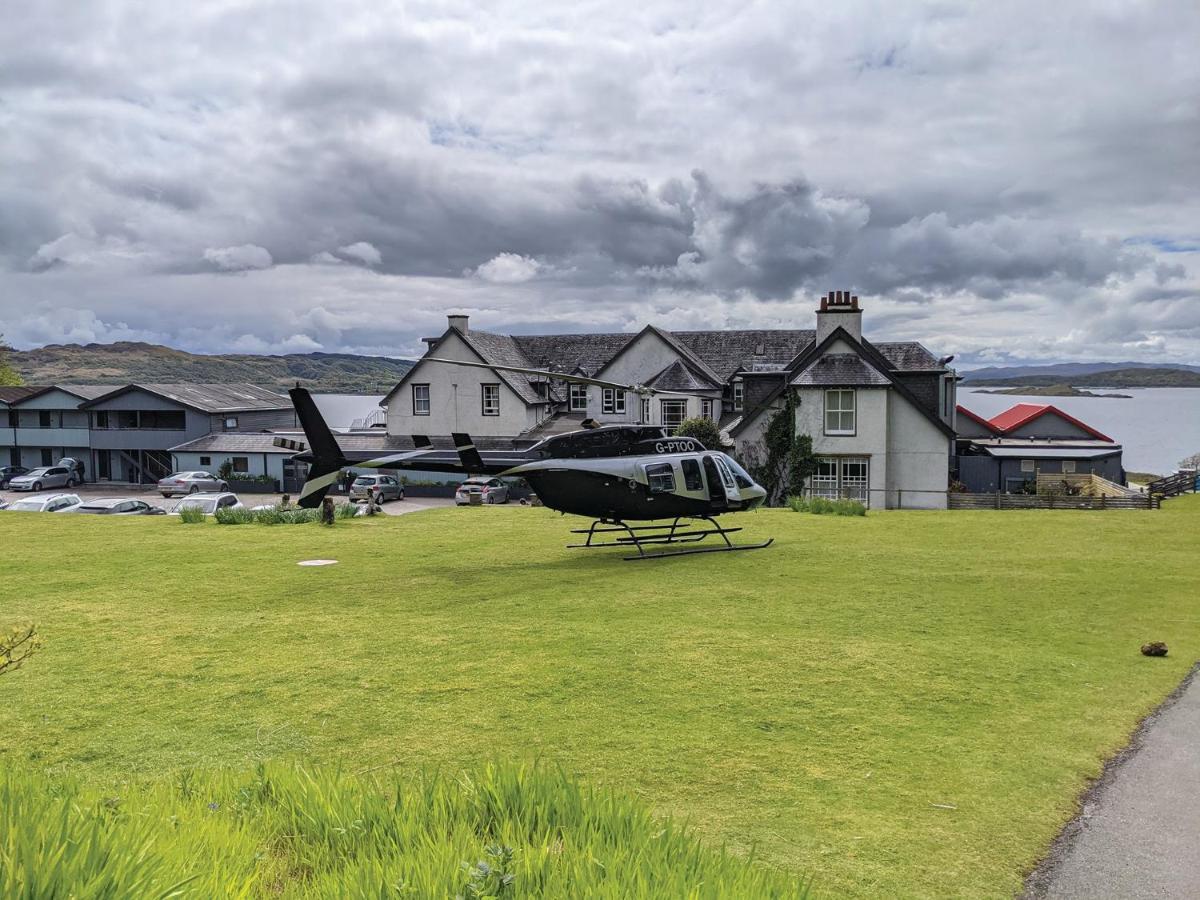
[(327, 511), (997, 499)]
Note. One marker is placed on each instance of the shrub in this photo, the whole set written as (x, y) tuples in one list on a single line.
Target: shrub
[(191, 515), (20, 643), (822, 506), (702, 429), (234, 515), (345, 511), (495, 832)]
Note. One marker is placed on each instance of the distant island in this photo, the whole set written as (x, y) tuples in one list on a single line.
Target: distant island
[(131, 361), (1117, 378), (1053, 390)]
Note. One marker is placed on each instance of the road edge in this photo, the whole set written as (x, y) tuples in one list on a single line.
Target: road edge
[(1038, 880)]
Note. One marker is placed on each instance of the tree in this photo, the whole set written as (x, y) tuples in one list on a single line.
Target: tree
[(17, 645), (8, 375), (783, 460), (1190, 462), (702, 429)]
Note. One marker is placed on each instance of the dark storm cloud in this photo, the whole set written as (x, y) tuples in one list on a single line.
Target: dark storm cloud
[(310, 174)]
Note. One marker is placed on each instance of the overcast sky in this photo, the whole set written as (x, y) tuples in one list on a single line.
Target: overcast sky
[(1013, 181)]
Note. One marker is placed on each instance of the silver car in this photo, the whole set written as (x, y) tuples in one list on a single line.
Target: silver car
[(492, 490), (45, 477), (379, 488), (190, 483), (208, 503), (46, 503)]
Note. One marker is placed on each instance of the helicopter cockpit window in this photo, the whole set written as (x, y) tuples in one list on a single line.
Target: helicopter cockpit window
[(740, 475), (726, 474), (661, 478), (692, 478)]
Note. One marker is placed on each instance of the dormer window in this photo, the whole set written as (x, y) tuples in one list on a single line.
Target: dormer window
[(739, 394)]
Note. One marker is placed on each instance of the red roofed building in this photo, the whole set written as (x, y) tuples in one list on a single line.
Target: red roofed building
[(1008, 451)]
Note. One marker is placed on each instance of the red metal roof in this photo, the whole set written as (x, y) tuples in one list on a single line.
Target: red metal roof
[(1022, 413)]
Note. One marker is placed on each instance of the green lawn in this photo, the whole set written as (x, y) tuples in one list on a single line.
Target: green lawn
[(899, 705)]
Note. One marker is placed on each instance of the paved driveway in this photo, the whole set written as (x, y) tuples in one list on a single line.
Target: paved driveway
[(1139, 833)]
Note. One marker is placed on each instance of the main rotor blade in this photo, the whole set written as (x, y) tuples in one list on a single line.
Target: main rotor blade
[(560, 376)]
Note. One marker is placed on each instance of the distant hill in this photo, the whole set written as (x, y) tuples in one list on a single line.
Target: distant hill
[(128, 361), (1117, 378), (1061, 372)]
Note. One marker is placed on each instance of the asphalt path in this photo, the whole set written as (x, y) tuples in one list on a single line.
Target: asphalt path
[(1138, 835)]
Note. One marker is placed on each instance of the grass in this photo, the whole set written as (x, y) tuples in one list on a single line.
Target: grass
[(903, 704), (282, 831)]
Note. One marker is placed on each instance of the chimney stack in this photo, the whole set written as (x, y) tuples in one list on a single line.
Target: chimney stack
[(839, 309), (458, 320)]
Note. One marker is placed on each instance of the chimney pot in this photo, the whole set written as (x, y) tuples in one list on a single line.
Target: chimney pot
[(457, 320)]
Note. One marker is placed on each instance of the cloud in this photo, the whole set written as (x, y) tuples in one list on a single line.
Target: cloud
[(722, 163), (508, 268), (240, 258), (363, 252)]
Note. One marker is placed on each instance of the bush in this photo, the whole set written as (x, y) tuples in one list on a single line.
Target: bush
[(345, 511), (272, 515), (822, 506), (191, 515), (498, 831), (234, 515), (17, 645), (702, 429)]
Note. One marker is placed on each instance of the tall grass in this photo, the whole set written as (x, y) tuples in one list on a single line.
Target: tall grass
[(289, 832), (822, 506), (277, 515), (191, 515)]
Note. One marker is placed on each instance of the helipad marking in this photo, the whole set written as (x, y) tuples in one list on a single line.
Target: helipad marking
[(317, 562)]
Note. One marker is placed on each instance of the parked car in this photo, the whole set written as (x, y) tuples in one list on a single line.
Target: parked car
[(190, 483), (7, 473), (46, 503), (208, 502), (119, 506), (380, 488), (493, 490), (74, 466), (45, 477)]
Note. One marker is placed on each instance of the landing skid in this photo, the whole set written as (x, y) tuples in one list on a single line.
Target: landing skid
[(641, 536)]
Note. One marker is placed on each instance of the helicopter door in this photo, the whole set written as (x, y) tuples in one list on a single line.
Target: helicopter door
[(722, 489)]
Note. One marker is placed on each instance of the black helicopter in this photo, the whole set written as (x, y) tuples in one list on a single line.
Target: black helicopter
[(614, 474)]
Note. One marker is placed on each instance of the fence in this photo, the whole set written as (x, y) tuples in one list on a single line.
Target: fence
[(1086, 484), (1051, 501), (1172, 485)]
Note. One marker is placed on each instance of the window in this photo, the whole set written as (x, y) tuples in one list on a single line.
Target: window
[(420, 399), (1027, 465), (692, 479), (578, 397), (230, 423), (44, 419), (47, 456), (127, 418), (101, 419), (612, 401), (706, 409), (739, 393), (839, 412), (661, 478), (14, 419), (1068, 467), (673, 412), (167, 420), (645, 410), (491, 399), (842, 477), (240, 463), (206, 460)]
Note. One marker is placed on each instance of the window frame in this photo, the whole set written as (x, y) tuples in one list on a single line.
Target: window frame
[(494, 388), (577, 397), (1028, 465), (841, 411), (1071, 471), (428, 397), (660, 478), (693, 475), (245, 462), (739, 394), (229, 423), (662, 411)]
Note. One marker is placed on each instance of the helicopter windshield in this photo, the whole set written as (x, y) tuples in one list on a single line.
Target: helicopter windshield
[(740, 475)]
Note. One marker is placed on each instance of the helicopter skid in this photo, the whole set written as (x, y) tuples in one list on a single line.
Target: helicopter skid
[(641, 536)]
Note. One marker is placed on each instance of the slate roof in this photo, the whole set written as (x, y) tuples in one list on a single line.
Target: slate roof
[(209, 398), (571, 352), (678, 377), (82, 391), (727, 351), (841, 369), (14, 393), (907, 356), (235, 442)]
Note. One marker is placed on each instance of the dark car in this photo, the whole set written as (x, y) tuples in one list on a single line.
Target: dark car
[(7, 473), (119, 506)]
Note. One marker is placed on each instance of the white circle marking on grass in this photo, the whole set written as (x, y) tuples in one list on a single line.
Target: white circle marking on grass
[(317, 562)]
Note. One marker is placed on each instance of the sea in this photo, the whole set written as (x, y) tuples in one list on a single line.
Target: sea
[(1157, 427)]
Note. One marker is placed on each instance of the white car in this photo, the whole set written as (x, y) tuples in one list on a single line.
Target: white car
[(190, 483), (207, 502), (492, 490), (46, 503)]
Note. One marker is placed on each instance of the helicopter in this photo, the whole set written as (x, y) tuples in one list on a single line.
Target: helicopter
[(613, 474)]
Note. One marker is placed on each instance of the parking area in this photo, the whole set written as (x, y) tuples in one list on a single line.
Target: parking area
[(392, 508)]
